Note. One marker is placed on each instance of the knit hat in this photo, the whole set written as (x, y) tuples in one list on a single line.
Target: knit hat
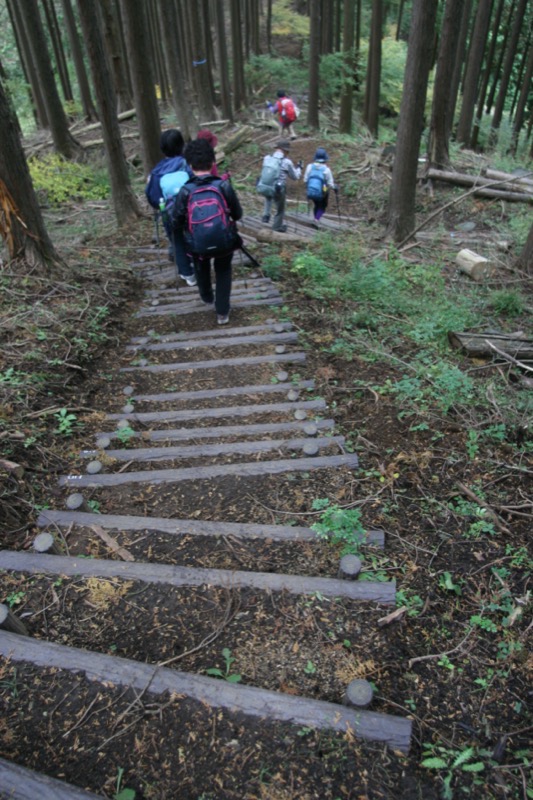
[(208, 136), (284, 145), (321, 155)]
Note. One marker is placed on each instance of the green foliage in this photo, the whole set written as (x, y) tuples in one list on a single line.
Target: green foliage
[(448, 761), (507, 302), (316, 275), (60, 180), (123, 793), (271, 266), (270, 73), (124, 435), (66, 422), (226, 674), (341, 526)]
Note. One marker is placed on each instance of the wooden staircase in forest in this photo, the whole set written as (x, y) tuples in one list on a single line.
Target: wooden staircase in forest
[(205, 411)]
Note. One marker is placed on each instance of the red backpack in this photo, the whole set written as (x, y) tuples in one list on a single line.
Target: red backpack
[(288, 110)]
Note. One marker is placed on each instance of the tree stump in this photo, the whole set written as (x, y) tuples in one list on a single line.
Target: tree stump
[(475, 266), (102, 442), (310, 448), (349, 567), (77, 502), (94, 467), (9, 622), (45, 543), (359, 694), (300, 414)]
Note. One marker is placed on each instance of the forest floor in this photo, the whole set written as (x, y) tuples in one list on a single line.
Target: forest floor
[(444, 444)]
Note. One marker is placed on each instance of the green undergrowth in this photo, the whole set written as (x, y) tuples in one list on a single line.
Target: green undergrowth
[(58, 180)]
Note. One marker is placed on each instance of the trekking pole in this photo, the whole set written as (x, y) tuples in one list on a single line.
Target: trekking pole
[(157, 241), (337, 200), (254, 261)]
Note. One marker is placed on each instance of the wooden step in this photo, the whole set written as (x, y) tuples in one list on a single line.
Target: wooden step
[(240, 361), (190, 527), (19, 783), (213, 450), (205, 394), (183, 434), (198, 306), (217, 412), (174, 575), (192, 343), (261, 703), (246, 469), (210, 333)]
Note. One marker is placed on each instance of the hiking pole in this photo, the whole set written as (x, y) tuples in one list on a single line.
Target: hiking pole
[(254, 261), (338, 209), (157, 241)]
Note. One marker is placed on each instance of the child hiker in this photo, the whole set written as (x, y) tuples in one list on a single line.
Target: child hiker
[(287, 112), (272, 183), (205, 212), (319, 180)]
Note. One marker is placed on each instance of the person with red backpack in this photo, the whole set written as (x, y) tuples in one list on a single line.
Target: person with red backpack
[(287, 112), (318, 179), (206, 211)]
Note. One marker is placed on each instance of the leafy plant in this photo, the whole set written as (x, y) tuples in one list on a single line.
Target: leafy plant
[(66, 422), (309, 668), (507, 302), (341, 526), (124, 435), (448, 762), (123, 793), (15, 598), (226, 673), (61, 180)]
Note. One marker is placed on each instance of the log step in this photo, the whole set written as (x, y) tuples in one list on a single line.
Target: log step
[(242, 361), (183, 434), (213, 450), (261, 703), (19, 783), (277, 338), (212, 332), (246, 469), (204, 394), (190, 527), (196, 307), (186, 414), (174, 575)]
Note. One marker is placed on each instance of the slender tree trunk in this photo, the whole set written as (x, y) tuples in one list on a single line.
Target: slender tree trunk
[(116, 51), (135, 32), (371, 109), (269, 26), (401, 214), (399, 20), (525, 259), (345, 122), (510, 56), (459, 62), (200, 64), (156, 51), (21, 223), (182, 109), (57, 45), (225, 89), (489, 63), (17, 21), (473, 71), (438, 144), (522, 101), (239, 91), (314, 65), (79, 64), (64, 142), (124, 201), (497, 72)]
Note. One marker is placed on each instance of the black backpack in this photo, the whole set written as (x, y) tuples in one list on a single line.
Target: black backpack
[(210, 229)]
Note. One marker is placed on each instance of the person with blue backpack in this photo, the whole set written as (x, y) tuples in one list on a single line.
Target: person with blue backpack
[(164, 182), (318, 179), (205, 212)]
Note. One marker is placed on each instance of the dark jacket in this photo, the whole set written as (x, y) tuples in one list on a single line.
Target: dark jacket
[(179, 212)]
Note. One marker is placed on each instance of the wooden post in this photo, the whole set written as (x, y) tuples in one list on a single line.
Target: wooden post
[(349, 567), (45, 543), (9, 622), (77, 502), (359, 694)]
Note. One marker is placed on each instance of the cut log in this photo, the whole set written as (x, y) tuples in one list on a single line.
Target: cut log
[(519, 180), (359, 693), (511, 190), (45, 543), (479, 344), (9, 622), (19, 783), (270, 236), (475, 266), (349, 567)]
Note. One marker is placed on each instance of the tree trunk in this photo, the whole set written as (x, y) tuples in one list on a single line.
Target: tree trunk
[(182, 109), (124, 201), (522, 101), (473, 71), (510, 56), (17, 21), (525, 259), (225, 89), (79, 64), (57, 45), (314, 65), (239, 91), (137, 45), (201, 64), (64, 142), (438, 144), (345, 122), (489, 64), (503, 47), (113, 43), (401, 214), (156, 51), (459, 62), (371, 110), (21, 223)]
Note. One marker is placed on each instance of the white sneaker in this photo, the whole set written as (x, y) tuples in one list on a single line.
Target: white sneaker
[(223, 319), (190, 280)]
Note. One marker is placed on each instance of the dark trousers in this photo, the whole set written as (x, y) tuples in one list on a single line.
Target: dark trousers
[(177, 244), (222, 292)]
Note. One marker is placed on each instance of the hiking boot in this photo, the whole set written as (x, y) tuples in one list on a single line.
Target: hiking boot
[(265, 218), (222, 319), (208, 303), (281, 229)]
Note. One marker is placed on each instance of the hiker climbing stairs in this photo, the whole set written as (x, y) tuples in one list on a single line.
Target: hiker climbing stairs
[(163, 500)]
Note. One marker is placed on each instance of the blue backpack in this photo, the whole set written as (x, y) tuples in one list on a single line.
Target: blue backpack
[(153, 187), (316, 183)]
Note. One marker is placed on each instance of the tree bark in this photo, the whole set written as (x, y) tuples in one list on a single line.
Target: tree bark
[(473, 71), (201, 66), (314, 65), (113, 43), (182, 109), (64, 142), (401, 214), (489, 65), (496, 72), (459, 62), (225, 89), (522, 101), (371, 109), (137, 45), (59, 53), (239, 91), (345, 122), (30, 69), (525, 259), (124, 201), (507, 69), (79, 64), (440, 127), (21, 223)]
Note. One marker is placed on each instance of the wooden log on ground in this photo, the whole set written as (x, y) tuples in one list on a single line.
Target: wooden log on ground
[(507, 190), (478, 345), (475, 266), (243, 135), (519, 180), (19, 783), (273, 237), (9, 622)]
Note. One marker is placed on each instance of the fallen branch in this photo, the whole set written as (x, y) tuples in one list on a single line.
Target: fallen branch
[(483, 504), (509, 358), (439, 655)]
